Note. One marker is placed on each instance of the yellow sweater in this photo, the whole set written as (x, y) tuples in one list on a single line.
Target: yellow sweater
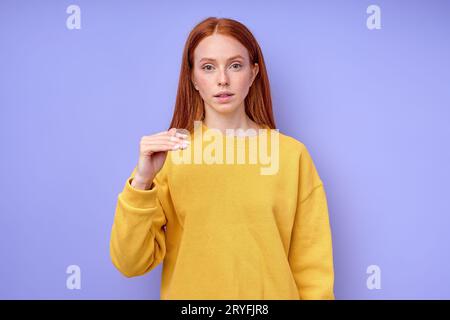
[(228, 231)]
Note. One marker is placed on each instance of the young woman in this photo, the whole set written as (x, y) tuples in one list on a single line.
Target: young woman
[(225, 229)]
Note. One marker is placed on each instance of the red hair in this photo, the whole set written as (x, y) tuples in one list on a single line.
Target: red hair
[(189, 105)]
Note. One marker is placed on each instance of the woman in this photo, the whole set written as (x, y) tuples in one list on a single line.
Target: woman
[(225, 229)]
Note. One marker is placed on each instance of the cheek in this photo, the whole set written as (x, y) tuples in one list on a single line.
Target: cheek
[(203, 83), (242, 82), (201, 77)]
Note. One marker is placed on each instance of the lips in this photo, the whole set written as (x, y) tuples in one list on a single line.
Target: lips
[(223, 97), (223, 94)]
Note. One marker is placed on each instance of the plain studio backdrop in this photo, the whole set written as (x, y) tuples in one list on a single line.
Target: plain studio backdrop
[(79, 86)]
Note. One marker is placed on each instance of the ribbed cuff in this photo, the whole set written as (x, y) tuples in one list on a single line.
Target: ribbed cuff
[(139, 198)]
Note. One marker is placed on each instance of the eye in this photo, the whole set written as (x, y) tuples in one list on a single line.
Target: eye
[(205, 67), (237, 64)]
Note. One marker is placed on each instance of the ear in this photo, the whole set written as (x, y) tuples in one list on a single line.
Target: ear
[(255, 71)]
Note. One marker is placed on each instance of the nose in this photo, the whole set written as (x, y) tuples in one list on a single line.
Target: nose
[(223, 78)]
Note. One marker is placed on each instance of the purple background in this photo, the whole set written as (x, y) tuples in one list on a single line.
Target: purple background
[(372, 106)]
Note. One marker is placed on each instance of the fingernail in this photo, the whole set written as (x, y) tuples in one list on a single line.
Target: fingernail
[(181, 135)]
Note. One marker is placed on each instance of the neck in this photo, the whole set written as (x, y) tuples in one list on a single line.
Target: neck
[(238, 120)]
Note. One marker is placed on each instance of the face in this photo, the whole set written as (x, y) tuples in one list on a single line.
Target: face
[(221, 63)]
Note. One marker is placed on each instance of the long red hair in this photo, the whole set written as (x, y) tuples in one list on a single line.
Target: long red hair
[(189, 105)]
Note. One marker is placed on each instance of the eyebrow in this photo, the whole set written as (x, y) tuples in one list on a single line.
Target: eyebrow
[(232, 58)]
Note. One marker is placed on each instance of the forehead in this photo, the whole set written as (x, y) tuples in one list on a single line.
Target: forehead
[(219, 47)]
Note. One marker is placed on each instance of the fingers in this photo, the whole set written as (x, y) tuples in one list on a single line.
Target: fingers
[(149, 149), (172, 131), (157, 147), (174, 134), (164, 139), (172, 139), (182, 133), (169, 144)]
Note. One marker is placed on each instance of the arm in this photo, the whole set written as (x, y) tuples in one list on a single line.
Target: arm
[(137, 243), (310, 252)]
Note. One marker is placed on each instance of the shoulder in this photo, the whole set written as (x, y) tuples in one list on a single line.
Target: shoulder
[(290, 144), (295, 152), (302, 157)]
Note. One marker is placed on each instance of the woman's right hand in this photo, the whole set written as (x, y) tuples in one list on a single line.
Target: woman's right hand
[(152, 154)]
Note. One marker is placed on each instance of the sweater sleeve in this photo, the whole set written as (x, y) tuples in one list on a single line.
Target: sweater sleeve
[(310, 251), (137, 242)]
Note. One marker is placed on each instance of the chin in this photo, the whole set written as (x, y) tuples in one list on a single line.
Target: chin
[(225, 107), (222, 107)]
